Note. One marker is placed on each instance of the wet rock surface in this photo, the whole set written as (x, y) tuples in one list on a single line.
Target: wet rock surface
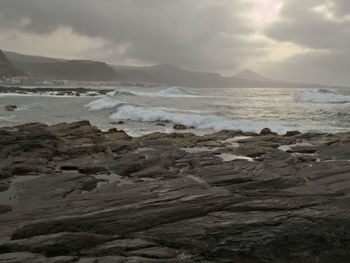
[(83, 195)]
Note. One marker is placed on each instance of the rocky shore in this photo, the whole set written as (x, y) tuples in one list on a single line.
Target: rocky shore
[(57, 91), (72, 193)]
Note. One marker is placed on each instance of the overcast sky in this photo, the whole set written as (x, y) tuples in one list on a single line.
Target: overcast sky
[(300, 40)]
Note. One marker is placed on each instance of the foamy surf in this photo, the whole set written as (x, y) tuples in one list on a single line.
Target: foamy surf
[(211, 122), (170, 92), (321, 96), (102, 104)]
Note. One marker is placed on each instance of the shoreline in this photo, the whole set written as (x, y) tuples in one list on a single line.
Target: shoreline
[(176, 197), (148, 110), (72, 91)]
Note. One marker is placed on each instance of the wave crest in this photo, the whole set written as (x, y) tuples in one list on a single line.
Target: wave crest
[(170, 92), (144, 114), (321, 96), (102, 104)]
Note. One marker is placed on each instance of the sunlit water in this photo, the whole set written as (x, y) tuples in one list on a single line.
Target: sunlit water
[(249, 109)]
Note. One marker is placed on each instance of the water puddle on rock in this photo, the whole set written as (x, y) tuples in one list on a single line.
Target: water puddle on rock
[(10, 196), (110, 179), (200, 149), (228, 157), (144, 149), (233, 142), (286, 148)]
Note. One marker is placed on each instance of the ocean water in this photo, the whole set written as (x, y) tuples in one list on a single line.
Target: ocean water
[(206, 110)]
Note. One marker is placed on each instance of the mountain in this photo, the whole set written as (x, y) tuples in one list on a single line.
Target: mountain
[(250, 75), (135, 74), (45, 68), (176, 76), (7, 69), (171, 75), (81, 70), (78, 70), (18, 58)]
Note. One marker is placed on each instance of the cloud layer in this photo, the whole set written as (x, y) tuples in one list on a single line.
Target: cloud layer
[(307, 39)]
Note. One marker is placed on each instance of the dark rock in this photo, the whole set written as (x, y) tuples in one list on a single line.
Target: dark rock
[(172, 198), (10, 107), (120, 246), (267, 131), (292, 133), (154, 252), (179, 127), (303, 149), (61, 244), (21, 257), (250, 134), (5, 209), (4, 185)]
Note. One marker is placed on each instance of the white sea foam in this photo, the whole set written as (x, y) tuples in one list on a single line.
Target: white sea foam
[(12, 95), (143, 114), (170, 92), (103, 103), (321, 96)]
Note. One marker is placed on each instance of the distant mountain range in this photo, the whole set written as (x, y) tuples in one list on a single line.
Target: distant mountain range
[(44, 68)]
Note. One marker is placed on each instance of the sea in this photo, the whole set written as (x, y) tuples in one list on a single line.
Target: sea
[(144, 110)]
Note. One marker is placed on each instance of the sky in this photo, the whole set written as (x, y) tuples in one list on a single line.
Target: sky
[(297, 40)]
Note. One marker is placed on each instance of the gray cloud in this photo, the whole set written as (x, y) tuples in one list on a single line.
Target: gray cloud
[(184, 32), (340, 7), (303, 25), (327, 31), (208, 35)]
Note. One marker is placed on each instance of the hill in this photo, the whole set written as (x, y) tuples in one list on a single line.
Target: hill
[(176, 76), (250, 75), (18, 58), (7, 69), (135, 74), (78, 70)]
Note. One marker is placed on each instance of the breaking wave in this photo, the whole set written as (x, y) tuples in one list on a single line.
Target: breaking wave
[(144, 114), (321, 96), (103, 103), (170, 92)]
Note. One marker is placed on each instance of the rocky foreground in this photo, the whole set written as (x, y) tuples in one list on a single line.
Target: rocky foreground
[(72, 193)]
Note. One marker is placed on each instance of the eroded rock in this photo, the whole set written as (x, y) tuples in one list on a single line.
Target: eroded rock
[(285, 199)]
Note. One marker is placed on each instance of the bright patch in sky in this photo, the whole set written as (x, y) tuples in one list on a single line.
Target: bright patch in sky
[(266, 11)]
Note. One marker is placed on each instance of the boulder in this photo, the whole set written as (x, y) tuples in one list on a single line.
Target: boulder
[(10, 107), (180, 127), (267, 131)]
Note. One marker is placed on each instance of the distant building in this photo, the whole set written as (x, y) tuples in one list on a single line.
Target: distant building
[(17, 80)]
